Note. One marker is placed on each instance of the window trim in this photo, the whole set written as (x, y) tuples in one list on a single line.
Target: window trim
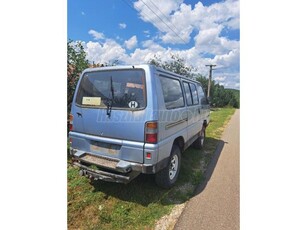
[(113, 108), (181, 87), (188, 83), (190, 90), (205, 95)]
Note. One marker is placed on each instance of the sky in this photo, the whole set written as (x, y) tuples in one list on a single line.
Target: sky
[(134, 32)]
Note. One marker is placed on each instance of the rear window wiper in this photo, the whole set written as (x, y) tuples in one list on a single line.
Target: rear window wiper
[(110, 101)]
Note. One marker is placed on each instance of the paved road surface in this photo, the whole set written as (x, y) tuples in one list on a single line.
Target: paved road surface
[(217, 205)]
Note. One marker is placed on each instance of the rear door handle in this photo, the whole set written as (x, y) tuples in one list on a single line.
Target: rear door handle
[(79, 114)]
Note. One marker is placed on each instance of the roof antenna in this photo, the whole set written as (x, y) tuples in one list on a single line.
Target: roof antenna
[(133, 66)]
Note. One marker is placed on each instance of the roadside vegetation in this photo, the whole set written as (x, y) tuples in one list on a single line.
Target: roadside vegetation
[(141, 203)]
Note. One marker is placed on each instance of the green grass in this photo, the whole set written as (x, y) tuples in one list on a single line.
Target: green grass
[(139, 204), (219, 119)]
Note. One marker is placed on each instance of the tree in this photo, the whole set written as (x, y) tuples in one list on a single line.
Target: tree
[(110, 63), (220, 97), (76, 63), (176, 65), (204, 81)]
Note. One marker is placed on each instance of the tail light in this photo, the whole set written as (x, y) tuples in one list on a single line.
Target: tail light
[(71, 118), (151, 132)]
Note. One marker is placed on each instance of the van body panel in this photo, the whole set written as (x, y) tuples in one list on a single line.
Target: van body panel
[(204, 104), (165, 146), (171, 120), (193, 121), (97, 122), (108, 147), (111, 107), (193, 109)]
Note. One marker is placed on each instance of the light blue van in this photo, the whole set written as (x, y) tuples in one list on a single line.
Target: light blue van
[(127, 120)]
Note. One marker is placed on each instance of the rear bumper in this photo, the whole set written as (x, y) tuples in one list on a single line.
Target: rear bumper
[(105, 176), (120, 171), (132, 151)]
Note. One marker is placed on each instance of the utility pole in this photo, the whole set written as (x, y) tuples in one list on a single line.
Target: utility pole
[(210, 77)]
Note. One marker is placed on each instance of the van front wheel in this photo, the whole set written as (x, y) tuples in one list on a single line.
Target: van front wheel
[(167, 177)]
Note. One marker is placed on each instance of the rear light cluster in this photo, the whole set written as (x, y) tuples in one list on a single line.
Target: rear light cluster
[(71, 118), (151, 132)]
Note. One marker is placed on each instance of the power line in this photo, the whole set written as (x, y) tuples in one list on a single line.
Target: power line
[(163, 21), (132, 7), (154, 21), (165, 16)]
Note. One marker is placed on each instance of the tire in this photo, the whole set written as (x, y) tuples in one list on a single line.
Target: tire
[(200, 141), (167, 177)]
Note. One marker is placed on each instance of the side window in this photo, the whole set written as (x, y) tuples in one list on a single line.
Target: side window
[(187, 93), (194, 94), (172, 92), (202, 95)]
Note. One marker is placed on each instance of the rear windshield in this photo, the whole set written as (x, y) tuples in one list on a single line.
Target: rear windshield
[(125, 89)]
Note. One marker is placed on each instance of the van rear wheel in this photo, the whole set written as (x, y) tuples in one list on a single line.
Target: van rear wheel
[(167, 177), (199, 143)]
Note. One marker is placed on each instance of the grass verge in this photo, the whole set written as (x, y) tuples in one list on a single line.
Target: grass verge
[(139, 204)]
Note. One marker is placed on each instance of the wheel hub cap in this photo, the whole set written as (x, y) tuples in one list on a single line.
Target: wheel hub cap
[(173, 167)]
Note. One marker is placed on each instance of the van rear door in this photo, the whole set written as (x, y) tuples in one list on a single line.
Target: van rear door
[(112, 104)]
